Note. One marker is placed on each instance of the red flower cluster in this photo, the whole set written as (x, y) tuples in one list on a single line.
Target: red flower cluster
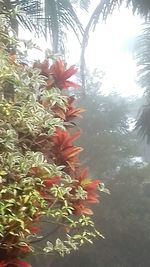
[(89, 186), (57, 74), (60, 147), (64, 152), (70, 113)]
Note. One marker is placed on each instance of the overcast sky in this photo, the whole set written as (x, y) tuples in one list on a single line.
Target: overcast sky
[(111, 49)]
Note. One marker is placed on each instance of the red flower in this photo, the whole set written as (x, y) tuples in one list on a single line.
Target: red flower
[(64, 153), (82, 175), (57, 74), (88, 185), (61, 75), (71, 112), (63, 138)]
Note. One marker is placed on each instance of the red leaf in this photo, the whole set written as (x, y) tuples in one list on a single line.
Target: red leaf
[(81, 209), (72, 113), (74, 136), (87, 211), (59, 112), (82, 175), (20, 263), (91, 185), (3, 263), (67, 84), (61, 75), (71, 152), (13, 263), (70, 72), (48, 182), (92, 197), (63, 138)]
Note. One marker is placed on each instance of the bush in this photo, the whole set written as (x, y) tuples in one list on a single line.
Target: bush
[(41, 178)]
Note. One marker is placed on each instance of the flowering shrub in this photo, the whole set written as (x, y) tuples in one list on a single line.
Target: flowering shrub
[(41, 177)]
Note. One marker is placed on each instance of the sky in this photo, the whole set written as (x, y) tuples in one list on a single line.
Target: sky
[(110, 49)]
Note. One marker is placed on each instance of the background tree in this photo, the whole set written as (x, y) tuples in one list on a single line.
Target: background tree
[(107, 135)]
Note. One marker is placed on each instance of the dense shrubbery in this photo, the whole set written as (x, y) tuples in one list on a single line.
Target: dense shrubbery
[(41, 178)]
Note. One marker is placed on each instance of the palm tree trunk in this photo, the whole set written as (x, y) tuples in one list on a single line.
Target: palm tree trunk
[(85, 42)]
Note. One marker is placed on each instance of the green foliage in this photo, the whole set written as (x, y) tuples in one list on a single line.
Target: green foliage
[(34, 185)]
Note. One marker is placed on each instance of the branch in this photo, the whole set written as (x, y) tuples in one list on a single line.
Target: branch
[(46, 236)]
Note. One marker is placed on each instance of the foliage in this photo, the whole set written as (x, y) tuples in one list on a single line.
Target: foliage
[(41, 178), (143, 63), (53, 17)]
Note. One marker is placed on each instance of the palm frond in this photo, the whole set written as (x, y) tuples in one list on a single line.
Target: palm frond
[(142, 7), (52, 22), (105, 8), (142, 54), (48, 16), (60, 15), (83, 4), (69, 17), (24, 12), (143, 123)]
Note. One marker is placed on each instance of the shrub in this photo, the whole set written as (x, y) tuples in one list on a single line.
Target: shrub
[(41, 178)]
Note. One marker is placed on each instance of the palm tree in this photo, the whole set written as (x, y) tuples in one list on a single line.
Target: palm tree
[(46, 16), (141, 7), (105, 8)]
